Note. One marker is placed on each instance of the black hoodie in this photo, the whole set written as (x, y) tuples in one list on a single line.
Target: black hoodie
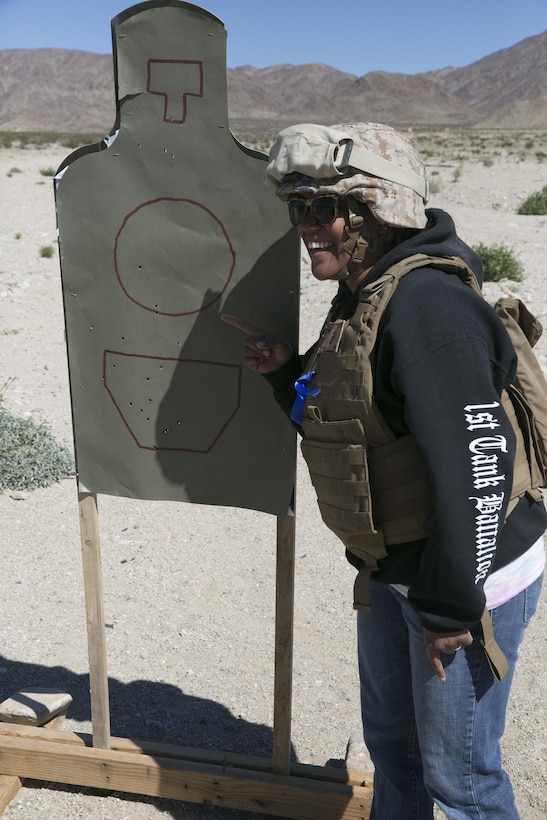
[(441, 361)]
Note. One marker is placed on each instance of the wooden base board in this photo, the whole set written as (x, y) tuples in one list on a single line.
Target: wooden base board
[(10, 784), (189, 775)]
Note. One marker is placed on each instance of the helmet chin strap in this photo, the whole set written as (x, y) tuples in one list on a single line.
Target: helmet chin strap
[(355, 246), (360, 240)]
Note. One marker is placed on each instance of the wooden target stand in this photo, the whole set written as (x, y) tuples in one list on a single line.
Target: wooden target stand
[(273, 786)]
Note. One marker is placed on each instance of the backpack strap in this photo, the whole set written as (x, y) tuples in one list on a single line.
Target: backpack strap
[(494, 655), (448, 264)]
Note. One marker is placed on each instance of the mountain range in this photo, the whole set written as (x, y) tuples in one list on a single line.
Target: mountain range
[(65, 90)]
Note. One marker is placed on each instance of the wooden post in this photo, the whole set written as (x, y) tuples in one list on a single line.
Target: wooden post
[(284, 621), (96, 635)]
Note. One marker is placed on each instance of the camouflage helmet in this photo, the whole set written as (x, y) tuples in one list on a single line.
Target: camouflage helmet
[(371, 162)]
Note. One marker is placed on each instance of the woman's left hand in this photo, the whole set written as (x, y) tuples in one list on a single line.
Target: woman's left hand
[(446, 643)]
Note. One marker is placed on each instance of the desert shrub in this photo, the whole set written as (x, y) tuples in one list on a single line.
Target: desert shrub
[(435, 186), (46, 251), (30, 455), (13, 171), (41, 139), (78, 140), (498, 262), (48, 172), (535, 204), (488, 162)]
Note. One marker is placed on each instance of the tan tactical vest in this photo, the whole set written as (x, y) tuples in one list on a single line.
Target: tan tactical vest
[(371, 487)]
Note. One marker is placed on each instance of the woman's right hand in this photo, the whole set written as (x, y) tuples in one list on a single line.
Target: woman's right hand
[(264, 353)]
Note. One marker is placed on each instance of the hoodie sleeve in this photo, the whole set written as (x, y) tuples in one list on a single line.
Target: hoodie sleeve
[(443, 359)]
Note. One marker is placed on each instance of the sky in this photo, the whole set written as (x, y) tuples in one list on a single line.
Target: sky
[(406, 36)]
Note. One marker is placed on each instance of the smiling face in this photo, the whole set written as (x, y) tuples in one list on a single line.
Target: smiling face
[(325, 243)]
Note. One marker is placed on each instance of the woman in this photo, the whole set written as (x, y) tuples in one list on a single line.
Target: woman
[(412, 454)]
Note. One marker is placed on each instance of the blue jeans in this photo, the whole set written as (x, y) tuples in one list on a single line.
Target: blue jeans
[(432, 741)]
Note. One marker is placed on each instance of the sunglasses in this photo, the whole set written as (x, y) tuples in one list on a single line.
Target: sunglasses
[(324, 210)]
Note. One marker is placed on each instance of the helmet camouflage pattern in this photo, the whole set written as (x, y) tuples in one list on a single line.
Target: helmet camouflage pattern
[(308, 159)]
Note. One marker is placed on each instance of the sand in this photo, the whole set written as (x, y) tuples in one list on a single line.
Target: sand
[(189, 590)]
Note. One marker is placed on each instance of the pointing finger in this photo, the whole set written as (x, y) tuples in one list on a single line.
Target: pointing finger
[(245, 327)]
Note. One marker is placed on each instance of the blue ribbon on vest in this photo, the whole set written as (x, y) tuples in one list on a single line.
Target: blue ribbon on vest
[(303, 390)]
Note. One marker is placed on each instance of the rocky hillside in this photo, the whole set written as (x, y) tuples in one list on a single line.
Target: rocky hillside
[(505, 89), (63, 90), (51, 89)]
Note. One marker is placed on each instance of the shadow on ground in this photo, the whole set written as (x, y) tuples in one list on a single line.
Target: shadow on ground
[(150, 711)]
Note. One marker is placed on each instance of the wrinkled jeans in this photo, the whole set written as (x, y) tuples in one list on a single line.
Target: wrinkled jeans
[(429, 740)]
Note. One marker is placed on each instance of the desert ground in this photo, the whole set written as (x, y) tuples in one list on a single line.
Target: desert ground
[(189, 590)]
